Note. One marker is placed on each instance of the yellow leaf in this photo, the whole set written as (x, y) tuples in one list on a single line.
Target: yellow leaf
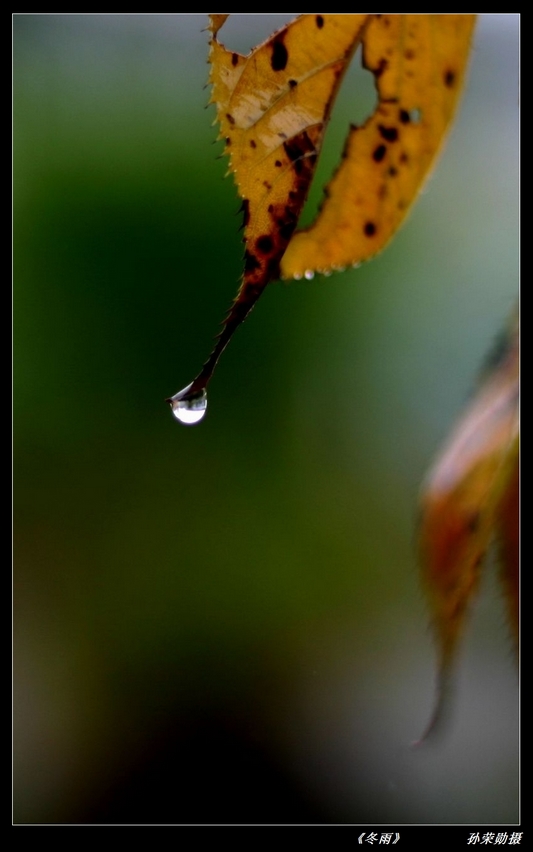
[(419, 65), (272, 109), (469, 498)]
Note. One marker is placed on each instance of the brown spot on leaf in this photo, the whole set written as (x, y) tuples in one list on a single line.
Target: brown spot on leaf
[(388, 133), (369, 229), (286, 230), (279, 56), (293, 83), (264, 244), (393, 171), (250, 262), (409, 54), (298, 147), (234, 59), (319, 21), (292, 150), (245, 207), (230, 118), (449, 78), (382, 66), (272, 269), (253, 143), (379, 153), (404, 116), (277, 163)]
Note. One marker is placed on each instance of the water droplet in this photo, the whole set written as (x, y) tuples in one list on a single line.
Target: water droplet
[(309, 274), (189, 408), (297, 276)]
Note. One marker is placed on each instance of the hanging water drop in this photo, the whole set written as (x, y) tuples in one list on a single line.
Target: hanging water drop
[(188, 405), (309, 274)]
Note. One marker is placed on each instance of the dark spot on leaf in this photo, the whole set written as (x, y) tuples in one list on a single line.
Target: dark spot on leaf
[(253, 144), (264, 244), (270, 208), (245, 207), (272, 270), (379, 153), (234, 59), (388, 133), (293, 83), (393, 171), (267, 185), (319, 21), (449, 78), (250, 262), (282, 135), (298, 166), (369, 229), (278, 163), (228, 140), (230, 118), (292, 150), (382, 66), (298, 147), (409, 54), (404, 116), (286, 230), (382, 191), (280, 56), (404, 158)]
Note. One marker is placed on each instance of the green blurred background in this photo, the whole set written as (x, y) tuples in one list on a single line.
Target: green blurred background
[(223, 623)]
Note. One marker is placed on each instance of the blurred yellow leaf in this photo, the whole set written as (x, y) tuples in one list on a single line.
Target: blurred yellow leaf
[(471, 498)]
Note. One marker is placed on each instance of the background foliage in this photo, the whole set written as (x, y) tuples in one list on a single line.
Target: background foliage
[(223, 623)]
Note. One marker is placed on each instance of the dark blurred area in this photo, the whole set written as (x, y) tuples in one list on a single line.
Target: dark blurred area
[(223, 623)]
